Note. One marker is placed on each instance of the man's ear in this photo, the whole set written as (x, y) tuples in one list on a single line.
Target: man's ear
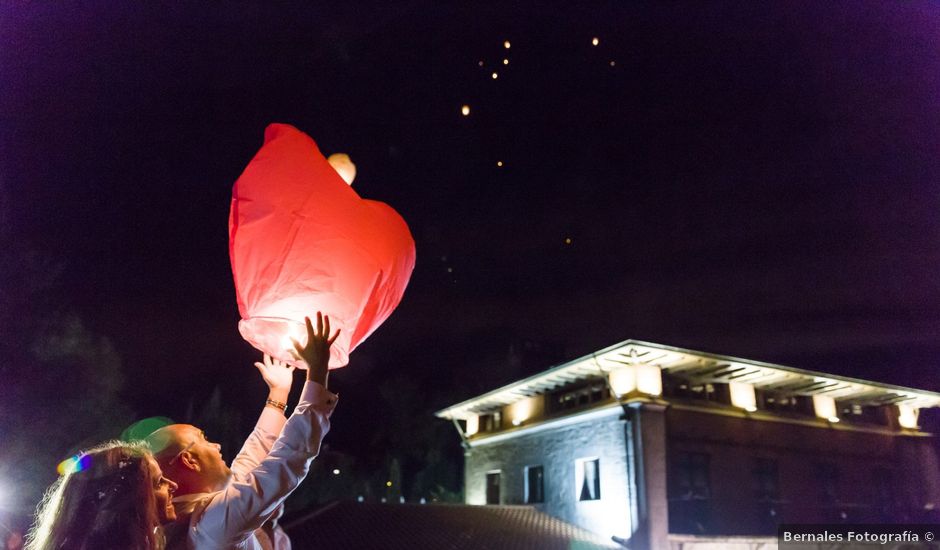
[(189, 461)]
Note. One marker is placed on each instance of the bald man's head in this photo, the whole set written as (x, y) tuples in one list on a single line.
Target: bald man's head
[(189, 459)]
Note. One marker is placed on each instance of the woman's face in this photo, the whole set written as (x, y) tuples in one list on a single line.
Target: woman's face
[(163, 490)]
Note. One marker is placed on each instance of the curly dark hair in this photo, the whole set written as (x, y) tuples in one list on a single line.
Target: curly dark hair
[(108, 502)]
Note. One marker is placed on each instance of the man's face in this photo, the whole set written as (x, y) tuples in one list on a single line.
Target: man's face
[(208, 454)]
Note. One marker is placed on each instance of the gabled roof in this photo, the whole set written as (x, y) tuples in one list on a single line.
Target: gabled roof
[(698, 367), (349, 524)]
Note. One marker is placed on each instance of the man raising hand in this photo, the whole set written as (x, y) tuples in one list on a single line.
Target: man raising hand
[(220, 507)]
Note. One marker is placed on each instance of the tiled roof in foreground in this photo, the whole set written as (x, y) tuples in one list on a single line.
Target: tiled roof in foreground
[(350, 524)]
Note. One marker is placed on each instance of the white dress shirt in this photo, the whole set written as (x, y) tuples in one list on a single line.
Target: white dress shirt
[(267, 469)]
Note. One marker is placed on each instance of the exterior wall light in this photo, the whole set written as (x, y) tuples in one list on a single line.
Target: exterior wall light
[(473, 424), (520, 411), (825, 407), (622, 381), (649, 380), (907, 416), (743, 396), (646, 379)]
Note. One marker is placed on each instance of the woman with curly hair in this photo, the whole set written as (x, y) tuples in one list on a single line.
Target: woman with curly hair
[(111, 496)]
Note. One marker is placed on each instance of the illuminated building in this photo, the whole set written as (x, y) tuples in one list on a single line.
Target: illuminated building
[(663, 446)]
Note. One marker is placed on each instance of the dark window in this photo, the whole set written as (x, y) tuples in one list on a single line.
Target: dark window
[(590, 479), (689, 493), (766, 487), (490, 422), (534, 485), (690, 477), (854, 412), (827, 479), (492, 488), (580, 396), (784, 403), (676, 387)]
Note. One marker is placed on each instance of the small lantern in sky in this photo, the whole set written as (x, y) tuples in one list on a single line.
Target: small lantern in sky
[(301, 241), (506, 44), (343, 166), (465, 110)]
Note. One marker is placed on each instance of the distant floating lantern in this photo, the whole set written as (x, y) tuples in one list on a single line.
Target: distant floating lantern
[(506, 44), (465, 110), (595, 41), (343, 166), (499, 163), (505, 62), (301, 241), (495, 76)]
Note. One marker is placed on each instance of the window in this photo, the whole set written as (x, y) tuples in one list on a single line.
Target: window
[(689, 493), (580, 396), (861, 413), (490, 422), (677, 387), (492, 488), (785, 403), (534, 484), (690, 479), (764, 475), (588, 476)]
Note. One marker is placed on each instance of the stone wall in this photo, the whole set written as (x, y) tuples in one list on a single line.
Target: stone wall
[(558, 449)]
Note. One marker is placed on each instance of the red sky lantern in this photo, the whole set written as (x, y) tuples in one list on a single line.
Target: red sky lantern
[(301, 241)]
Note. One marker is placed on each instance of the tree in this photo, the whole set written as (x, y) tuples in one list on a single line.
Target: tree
[(61, 382)]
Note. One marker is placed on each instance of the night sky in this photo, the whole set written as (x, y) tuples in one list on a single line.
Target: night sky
[(753, 179)]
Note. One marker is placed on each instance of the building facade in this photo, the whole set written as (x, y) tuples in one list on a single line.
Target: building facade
[(649, 444)]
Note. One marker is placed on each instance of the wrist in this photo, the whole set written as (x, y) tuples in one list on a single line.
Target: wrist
[(318, 375), (279, 405), (278, 394)]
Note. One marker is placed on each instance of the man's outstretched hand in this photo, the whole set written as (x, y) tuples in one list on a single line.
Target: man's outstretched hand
[(278, 376), (317, 351)]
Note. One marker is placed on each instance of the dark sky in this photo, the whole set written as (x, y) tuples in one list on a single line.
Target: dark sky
[(755, 179)]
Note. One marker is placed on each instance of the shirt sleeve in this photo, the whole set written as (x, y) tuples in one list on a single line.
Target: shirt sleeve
[(251, 498), (259, 442)]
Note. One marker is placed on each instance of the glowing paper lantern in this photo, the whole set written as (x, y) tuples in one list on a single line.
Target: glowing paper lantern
[(301, 241), (343, 166)]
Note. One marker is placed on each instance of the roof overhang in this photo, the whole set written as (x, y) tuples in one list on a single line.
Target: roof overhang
[(696, 367)]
